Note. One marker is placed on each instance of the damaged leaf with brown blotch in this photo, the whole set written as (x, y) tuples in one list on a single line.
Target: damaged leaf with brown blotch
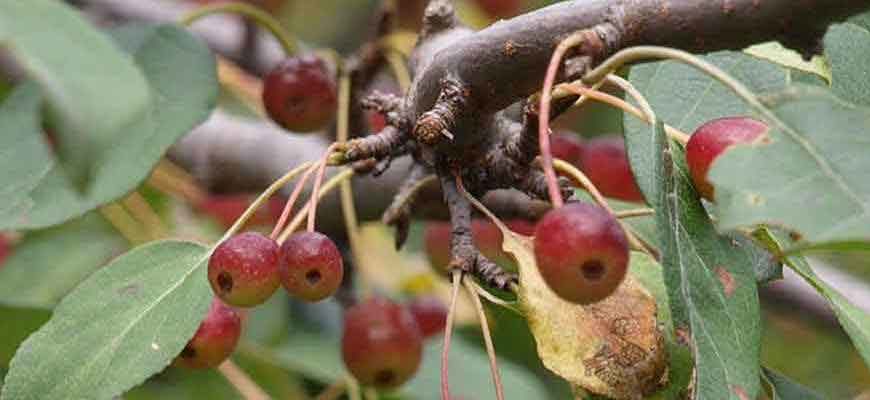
[(612, 348)]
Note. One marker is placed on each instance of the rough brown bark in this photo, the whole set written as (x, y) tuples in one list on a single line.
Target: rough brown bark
[(507, 61)]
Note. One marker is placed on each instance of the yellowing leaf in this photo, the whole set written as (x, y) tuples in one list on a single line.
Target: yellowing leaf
[(612, 348)]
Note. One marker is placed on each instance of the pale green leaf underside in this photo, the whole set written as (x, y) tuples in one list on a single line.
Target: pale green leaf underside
[(35, 193), (847, 46), (122, 325), (93, 88), (812, 175)]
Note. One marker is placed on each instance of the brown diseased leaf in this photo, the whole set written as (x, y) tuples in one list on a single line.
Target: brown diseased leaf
[(612, 348)]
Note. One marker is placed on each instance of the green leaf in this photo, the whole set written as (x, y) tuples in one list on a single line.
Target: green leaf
[(47, 264), (783, 388), (93, 89), (319, 357), (855, 321), (639, 146), (181, 73), (764, 263), (777, 53), (122, 325), (686, 98), (711, 288), (24, 156), (810, 176), (847, 46)]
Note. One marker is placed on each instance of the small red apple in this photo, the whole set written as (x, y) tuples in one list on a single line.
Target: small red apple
[(712, 139)]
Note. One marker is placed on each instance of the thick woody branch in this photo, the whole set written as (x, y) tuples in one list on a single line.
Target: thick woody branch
[(507, 61)]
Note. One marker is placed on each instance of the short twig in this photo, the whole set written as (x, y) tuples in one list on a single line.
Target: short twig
[(242, 382), (145, 214), (636, 212)]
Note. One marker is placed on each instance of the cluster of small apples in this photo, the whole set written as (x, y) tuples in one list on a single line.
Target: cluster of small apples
[(581, 250), (382, 340), (245, 270)]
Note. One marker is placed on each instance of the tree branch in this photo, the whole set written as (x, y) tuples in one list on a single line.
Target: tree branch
[(506, 62)]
